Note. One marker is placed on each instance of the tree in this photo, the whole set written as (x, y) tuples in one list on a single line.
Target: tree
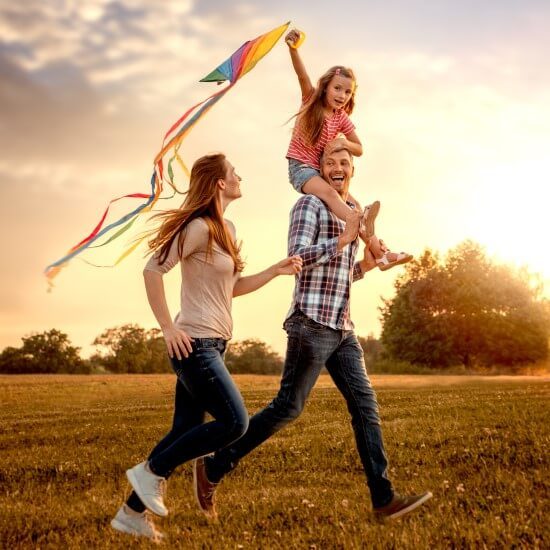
[(14, 361), (132, 349), (46, 352), (467, 311), (372, 348), (252, 356)]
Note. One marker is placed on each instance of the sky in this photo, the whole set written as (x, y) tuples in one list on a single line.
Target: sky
[(452, 107)]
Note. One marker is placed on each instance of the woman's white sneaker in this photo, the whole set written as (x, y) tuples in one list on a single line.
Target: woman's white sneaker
[(149, 488), (132, 522)]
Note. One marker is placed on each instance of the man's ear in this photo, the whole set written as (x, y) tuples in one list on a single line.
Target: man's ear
[(352, 170)]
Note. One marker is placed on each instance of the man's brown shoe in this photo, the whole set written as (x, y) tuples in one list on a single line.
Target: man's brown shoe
[(204, 489), (401, 505)]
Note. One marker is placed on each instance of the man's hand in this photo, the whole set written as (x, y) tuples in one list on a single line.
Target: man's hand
[(177, 341), (289, 266), (351, 230)]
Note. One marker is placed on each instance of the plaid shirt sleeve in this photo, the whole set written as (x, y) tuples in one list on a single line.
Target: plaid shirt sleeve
[(304, 225), (357, 272)]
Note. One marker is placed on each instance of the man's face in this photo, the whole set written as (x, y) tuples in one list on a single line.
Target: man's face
[(337, 169)]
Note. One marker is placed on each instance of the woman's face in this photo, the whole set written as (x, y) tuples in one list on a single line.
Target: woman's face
[(338, 92), (232, 181)]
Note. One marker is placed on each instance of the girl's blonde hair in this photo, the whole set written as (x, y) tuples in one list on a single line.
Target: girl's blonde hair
[(202, 201), (310, 118)]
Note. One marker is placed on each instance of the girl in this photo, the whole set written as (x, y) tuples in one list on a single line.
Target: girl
[(203, 243), (322, 125)]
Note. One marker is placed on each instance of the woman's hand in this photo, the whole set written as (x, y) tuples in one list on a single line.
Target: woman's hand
[(289, 266), (177, 341)]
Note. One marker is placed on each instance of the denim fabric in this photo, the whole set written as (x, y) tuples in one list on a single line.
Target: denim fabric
[(203, 385), (300, 173), (311, 346)]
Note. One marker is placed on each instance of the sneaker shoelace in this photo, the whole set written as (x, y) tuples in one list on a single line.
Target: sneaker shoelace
[(160, 488)]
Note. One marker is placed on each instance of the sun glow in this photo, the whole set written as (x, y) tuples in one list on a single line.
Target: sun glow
[(509, 213)]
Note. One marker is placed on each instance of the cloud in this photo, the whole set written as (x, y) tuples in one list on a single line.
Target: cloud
[(87, 90)]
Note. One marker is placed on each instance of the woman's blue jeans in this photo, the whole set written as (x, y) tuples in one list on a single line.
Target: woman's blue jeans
[(204, 385)]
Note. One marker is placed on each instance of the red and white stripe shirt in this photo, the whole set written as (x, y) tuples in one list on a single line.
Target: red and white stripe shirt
[(300, 149)]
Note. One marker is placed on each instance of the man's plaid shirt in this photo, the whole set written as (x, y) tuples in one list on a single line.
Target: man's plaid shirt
[(322, 290)]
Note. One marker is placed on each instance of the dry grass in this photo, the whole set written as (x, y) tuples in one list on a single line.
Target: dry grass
[(480, 444)]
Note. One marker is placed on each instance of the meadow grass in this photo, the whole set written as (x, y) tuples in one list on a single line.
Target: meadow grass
[(479, 444)]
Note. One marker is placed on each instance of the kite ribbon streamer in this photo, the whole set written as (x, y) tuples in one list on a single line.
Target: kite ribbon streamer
[(231, 70)]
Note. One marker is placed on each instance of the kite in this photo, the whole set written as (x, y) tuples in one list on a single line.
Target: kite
[(231, 70)]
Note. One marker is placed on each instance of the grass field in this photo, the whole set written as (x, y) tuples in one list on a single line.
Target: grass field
[(479, 444)]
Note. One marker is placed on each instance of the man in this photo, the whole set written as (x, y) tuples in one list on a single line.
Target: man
[(320, 334)]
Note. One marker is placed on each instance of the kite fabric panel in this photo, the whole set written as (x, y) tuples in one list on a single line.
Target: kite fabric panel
[(231, 70)]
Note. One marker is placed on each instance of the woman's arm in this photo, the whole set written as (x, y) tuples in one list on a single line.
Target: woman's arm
[(177, 341), (250, 283), (299, 68)]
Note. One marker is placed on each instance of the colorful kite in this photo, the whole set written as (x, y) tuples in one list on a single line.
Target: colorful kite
[(231, 70)]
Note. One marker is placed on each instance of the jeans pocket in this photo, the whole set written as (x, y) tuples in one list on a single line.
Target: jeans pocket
[(313, 326)]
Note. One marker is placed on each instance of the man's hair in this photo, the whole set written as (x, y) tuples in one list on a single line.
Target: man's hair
[(337, 150)]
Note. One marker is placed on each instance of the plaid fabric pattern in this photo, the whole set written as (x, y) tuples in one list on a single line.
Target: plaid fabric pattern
[(322, 290)]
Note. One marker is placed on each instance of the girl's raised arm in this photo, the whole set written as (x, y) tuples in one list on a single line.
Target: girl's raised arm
[(303, 78)]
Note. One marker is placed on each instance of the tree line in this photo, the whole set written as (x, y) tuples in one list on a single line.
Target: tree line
[(130, 349), (463, 310), (126, 349)]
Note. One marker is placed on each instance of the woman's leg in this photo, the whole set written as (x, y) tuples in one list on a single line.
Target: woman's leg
[(206, 377), (188, 412)]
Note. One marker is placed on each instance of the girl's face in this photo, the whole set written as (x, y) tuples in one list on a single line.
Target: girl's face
[(338, 92)]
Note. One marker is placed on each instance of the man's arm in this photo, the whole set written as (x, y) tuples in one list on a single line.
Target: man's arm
[(366, 264), (304, 228)]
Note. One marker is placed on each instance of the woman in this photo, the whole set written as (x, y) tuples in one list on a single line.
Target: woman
[(198, 238)]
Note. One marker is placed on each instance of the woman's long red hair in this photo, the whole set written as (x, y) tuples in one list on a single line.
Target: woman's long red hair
[(202, 201)]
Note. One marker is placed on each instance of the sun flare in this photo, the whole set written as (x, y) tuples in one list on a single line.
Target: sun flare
[(509, 214)]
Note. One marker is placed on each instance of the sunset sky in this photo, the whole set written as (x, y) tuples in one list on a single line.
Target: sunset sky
[(453, 109)]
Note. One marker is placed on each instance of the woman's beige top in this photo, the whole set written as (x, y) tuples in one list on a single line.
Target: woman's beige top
[(207, 283)]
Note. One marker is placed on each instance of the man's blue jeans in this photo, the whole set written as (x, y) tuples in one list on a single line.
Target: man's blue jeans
[(311, 346)]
